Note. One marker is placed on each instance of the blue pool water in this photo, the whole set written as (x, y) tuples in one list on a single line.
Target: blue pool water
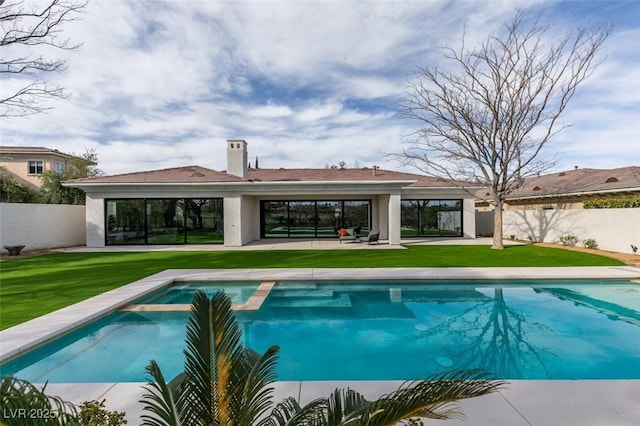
[(381, 330), (182, 292)]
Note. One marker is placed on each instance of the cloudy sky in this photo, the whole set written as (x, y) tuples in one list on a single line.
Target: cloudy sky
[(307, 83)]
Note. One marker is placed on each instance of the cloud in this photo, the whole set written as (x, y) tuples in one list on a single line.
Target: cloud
[(306, 83)]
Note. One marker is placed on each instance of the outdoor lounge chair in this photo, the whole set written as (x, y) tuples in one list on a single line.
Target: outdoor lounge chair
[(372, 237), (347, 235)]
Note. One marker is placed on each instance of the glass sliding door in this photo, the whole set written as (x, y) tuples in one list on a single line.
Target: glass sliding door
[(410, 214), (431, 218), (328, 216), (312, 219), (275, 219), (125, 222), (450, 217), (302, 219), (165, 221), (204, 220), (356, 215)]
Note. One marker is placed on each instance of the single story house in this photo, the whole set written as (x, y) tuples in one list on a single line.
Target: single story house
[(194, 204), (569, 189)]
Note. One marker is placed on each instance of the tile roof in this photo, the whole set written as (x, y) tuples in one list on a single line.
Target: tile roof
[(578, 181), (197, 174), (32, 150)]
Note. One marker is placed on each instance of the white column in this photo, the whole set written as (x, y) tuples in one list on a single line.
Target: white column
[(232, 208), (469, 218), (394, 218), (95, 221)]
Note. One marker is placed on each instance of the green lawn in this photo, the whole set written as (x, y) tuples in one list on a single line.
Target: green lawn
[(34, 286)]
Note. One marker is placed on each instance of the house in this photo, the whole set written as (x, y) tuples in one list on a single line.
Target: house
[(569, 189), (27, 164), (194, 204)]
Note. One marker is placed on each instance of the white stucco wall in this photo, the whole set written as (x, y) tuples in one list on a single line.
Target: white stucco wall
[(42, 226), (613, 229)]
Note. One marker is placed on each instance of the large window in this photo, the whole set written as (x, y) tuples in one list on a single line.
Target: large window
[(312, 219), (431, 218), (164, 221)]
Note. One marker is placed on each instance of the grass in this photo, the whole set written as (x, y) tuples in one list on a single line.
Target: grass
[(37, 285)]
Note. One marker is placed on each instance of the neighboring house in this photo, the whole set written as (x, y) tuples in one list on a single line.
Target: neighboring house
[(568, 190), (194, 204), (27, 164)]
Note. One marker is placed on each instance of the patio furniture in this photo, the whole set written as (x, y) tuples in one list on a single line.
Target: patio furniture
[(348, 235), (372, 237)]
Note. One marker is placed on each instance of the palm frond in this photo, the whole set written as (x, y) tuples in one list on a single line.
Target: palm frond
[(17, 394), (432, 398), (256, 390), (213, 348), (290, 413), (342, 405), (160, 400)]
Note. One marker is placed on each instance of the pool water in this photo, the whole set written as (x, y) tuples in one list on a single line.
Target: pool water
[(380, 331), (182, 292)]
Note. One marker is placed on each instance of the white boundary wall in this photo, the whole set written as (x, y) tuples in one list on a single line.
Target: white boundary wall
[(42, 226), (613, 229)]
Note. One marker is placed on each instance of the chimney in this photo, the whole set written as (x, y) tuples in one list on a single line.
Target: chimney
[(237, 158)]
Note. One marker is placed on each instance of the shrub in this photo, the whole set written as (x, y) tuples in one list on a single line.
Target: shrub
[(634, 248), (568, 240), (613, 203), (94, 413), (590, 243)]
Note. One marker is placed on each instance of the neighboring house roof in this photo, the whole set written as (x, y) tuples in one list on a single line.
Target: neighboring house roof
[(35, 150), (32, 150), (197, 174), (577, 182)]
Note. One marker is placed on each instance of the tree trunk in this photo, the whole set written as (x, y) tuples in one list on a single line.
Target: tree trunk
[(497, 227)]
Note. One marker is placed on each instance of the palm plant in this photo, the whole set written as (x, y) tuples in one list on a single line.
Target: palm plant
[(25, 404), (224, 383)]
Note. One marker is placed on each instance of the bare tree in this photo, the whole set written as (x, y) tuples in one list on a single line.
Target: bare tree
[(488, 116), (23, 31)]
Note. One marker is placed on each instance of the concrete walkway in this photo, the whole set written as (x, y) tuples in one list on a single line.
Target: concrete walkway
[(294, 244), (521, 403)]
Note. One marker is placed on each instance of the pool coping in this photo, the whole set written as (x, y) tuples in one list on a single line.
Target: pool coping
[(23, 337)]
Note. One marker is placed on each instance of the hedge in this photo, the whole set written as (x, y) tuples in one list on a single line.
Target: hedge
[(613, 203)]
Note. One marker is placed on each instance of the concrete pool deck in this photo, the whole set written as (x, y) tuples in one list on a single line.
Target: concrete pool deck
[(525, 402)]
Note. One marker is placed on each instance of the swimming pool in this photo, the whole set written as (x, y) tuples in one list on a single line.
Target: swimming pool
[(382, 330)]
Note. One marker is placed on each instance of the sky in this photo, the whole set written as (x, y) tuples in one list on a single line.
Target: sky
[(159, 84)]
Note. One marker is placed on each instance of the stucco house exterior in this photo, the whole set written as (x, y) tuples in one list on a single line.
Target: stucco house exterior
[(194, 204), (27, 163)]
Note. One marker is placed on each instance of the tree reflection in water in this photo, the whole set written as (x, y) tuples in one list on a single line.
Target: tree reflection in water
[(493, 337)]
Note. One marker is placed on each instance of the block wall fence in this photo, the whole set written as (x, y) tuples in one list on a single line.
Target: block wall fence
[(613, 229), (42, 226)]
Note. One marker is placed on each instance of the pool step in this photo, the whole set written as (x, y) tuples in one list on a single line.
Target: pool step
[(302, 293), (343, 301)]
